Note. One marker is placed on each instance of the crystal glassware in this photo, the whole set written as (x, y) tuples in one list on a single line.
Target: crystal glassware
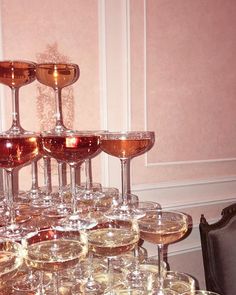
[(179, 282), (161, 228), (11, 259), (137, 275), (16, 150), (200, 292), (72, 147), (53, 251), (111, 238), (15, 74), (125, 146), (57, 76)]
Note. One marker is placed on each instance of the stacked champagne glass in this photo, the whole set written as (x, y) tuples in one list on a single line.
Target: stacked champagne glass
[(84, 239)]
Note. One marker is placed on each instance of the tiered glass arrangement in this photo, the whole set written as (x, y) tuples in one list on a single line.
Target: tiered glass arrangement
[(88, 242)]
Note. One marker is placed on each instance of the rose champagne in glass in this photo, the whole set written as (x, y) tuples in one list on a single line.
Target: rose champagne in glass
[(57, 76), (72, 147), (125, 146), (16, 150)]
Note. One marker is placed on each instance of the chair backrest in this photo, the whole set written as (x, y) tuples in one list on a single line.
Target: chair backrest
[(218, 241)]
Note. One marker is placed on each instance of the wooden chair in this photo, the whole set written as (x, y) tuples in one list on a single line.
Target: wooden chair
[(218, 241)]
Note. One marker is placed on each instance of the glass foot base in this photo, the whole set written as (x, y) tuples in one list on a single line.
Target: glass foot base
[(59, 211), (125, 213), (14, 232), (74, 223)]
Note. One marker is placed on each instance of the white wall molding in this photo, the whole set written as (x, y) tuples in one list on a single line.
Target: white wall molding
[(103, 83), (114, 32), (187, 162), (173, 184), (189, 193), (2, 100), (114, 39)]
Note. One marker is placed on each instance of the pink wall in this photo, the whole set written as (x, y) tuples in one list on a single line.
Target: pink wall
[(30, 31), (190, 86)]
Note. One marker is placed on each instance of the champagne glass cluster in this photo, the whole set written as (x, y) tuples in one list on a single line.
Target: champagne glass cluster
[(84, 239)]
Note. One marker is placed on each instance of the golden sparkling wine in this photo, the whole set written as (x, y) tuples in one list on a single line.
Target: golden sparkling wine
[(180, 287), (55, 255), (9, 264), (112, 241), (162, 227), (163, 236)]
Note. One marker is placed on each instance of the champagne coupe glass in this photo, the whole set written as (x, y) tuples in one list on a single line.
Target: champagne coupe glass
[(136, 274), (179, 282), (133, 291), (125, 146), (11, 259), (58, 76), (53, 251), (15, 74), (129, 291), (200, 292), (90, 190), (162, 227), (72, 147), (16, 150), (111, 238)]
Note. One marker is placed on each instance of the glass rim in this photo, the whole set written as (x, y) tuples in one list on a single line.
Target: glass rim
[(179, 273), (65, 64), (173, 214), (6, 134), (200, 292), (19, 61), (123, 132), (167, 211), (68, 133), (5, 241)]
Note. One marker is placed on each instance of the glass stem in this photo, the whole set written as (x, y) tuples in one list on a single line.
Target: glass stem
[(41, 283), (110, 275), (88, 174), (47, 175), (136, 258), (10, 197), (56, 282), (160, 263), (16, 127), (90, 268), (59, 115), (125, 179), (73, 186), (34, 174), (60, 181)]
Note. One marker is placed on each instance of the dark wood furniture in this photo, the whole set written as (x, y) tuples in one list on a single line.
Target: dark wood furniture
[(218, 241)]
